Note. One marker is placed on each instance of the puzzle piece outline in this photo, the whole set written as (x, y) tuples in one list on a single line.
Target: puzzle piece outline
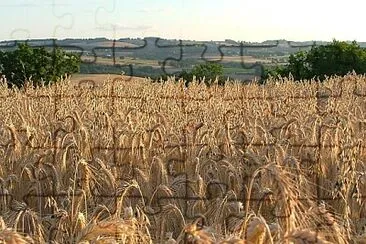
[(55, 30), (106, 10), (181, 46)]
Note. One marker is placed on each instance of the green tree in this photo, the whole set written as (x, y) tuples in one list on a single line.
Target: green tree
[(37, 64), (336, 58), (209, 71)]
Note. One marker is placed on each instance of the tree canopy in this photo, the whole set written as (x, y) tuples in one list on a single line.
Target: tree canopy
[(209, 71), (37, 64), (336, 58)]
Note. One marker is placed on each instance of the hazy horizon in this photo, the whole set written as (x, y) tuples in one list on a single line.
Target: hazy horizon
[(183, 39), (239, 20)]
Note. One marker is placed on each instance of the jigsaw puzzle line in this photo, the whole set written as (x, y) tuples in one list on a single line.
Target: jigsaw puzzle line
[(180, 46), (61, 16)]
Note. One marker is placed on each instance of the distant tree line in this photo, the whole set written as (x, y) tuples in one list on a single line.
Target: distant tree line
[(44, 66)]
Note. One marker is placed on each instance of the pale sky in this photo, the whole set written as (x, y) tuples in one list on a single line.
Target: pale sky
[(240, 20)]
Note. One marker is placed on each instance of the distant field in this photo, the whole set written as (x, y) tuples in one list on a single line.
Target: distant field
[(104, 44), (245, 59), (125, 61), (228, 71), (155, 63)]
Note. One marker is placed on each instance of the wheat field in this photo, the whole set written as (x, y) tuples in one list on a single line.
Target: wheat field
[(143, 162)]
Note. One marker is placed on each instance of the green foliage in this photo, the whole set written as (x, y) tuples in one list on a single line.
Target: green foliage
[(208, 72), (37, 64), (186, 76), (271, 72), (337, 58)]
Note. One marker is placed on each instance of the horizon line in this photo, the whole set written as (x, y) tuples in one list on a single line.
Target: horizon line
[(157, 37)]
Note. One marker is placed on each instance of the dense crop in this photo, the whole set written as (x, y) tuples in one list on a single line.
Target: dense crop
[(142, 162)]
